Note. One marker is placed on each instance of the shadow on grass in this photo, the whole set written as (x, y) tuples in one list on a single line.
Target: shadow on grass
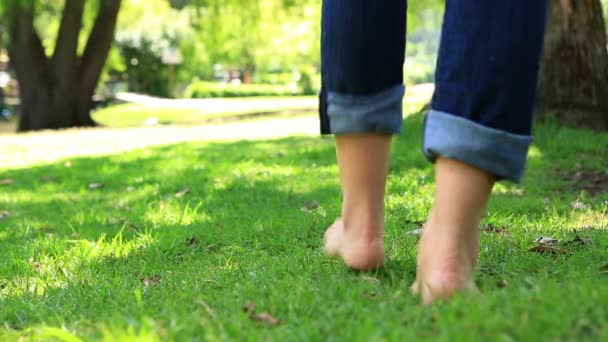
[(214, 214)]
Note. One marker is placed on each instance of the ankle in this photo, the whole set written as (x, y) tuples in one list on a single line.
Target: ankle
[(365, 225)]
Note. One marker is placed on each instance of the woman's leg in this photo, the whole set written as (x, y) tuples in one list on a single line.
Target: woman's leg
[(479, 128), (358, 236), (363, 46)]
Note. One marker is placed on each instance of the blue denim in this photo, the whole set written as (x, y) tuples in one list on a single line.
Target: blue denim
[(485, 83)]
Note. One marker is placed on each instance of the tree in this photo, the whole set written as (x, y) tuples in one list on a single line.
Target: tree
[(56, 91), (573, 83)]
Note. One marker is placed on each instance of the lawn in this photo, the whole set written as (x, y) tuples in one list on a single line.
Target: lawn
[(220, 240)]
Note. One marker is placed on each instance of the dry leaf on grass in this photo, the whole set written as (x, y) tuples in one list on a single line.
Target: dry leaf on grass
[(192, 241), (577, 240), (546, 241), (542, 249), (182, 192), (310, 206), (6, 182), (250, 309), (416, 232), (4, 214), (502, 283), (367, 295), (490, 228), (95, 186), (155, 280), (578, 205), (265, 317)]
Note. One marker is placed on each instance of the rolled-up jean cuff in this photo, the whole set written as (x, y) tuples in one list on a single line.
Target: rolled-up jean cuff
[(499, 152), (377, 113)]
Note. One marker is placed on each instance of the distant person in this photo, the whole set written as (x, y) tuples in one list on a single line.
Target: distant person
[(477, 132)]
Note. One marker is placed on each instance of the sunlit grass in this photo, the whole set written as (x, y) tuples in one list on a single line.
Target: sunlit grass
[(144, 258)]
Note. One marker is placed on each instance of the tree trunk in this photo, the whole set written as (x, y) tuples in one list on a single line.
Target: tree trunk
[(573, 85), (57, 92)]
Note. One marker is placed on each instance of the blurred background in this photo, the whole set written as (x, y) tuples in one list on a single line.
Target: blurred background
[(81, 63)]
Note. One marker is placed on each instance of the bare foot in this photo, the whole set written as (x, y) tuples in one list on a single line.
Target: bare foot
[(358, 252), (446, 261)]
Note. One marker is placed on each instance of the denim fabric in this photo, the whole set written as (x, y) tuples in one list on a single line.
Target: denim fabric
[(380, 113), (489, 60), (499, 152), (485, 80), (362, 53)]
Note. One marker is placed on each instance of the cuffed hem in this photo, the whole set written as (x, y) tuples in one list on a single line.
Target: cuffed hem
[(379, 113), (501, 153)]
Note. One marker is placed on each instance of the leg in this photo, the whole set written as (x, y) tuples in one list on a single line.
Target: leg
[(358, 236), (363, 45), (448, 247), (478, 130)]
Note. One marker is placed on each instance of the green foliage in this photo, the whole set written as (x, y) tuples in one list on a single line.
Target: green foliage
[(145, 70), (212, 89), (146, 29)]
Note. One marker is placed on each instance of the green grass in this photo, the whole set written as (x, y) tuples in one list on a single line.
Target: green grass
[(74, 258)]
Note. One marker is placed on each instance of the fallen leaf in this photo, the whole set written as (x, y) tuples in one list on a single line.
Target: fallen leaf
[(542, 249), (578, 205), (310, 206), (266, 318), (577, 240), (133, 226), (95, 186), (519, 192), (416, 232), (502, 283), (4, 214), (546, 240), (155, 280), (6, 182), (490, 228), (249, 307), (367, 295), (182, 192), (418, 224), (211, 247), (192, 241)]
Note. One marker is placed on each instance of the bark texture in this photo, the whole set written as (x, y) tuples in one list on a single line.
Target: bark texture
[(573, 84), (56, 91)]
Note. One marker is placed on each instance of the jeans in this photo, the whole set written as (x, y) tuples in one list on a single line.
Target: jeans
[(486, 77)]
